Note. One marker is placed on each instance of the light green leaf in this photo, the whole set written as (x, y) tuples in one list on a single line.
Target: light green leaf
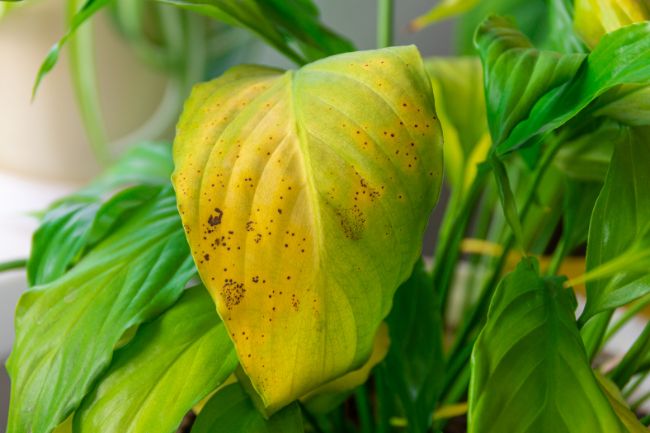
[(460, 103), (170, 365), (595, 18), (72, 225), (622, 409), (530, 372), (230, 410), (627, 48), (443, 10), (619, 225), (305, 209), (66, 330), (517, 74), (414, 367)]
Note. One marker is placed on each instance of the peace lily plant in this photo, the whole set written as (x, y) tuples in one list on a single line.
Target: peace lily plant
[(275, 283)]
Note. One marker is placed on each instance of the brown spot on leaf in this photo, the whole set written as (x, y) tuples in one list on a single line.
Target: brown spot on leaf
[(214, 220)]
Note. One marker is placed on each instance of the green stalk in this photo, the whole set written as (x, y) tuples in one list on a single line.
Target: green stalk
[(384, 23), (363, 409), (631, 311), (84, 82), (632, 359), (466, 335), (13, 265)]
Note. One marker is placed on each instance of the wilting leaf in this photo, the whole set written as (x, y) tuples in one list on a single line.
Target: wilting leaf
[(627, 48), (529, 360), (72, 225), (66, 330), (230, 410), (414, 367), (595, 18), (460, 103), (305, 195), (517, 74), (170, 365)]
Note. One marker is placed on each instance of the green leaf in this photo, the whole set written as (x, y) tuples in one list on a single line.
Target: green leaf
[(87, 11), (622, 409), (627, 48), (507, 199), (230, 410), (619, 225), (284, 24), (627, 104), (414, 367), (72, 225), (517, 75), (305, 210), (530, 372), (458, 88), (66, 330), (579, 201), (170, 365)]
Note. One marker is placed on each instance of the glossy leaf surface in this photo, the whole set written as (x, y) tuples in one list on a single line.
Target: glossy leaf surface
[(529, 360), (627, 48), (517, 74), (230, 410), (305, 209), (170, 365), (66, 330)]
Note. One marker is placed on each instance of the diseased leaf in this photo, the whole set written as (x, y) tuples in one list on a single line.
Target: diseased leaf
[(305, 209), (66, 330), (529, 360), (595, 18), (330, 395), (460, 103), (627, 48), (230, 410), (170, 365), (517, 74)]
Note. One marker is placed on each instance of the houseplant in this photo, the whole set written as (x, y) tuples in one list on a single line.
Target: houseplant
[(298, 200)]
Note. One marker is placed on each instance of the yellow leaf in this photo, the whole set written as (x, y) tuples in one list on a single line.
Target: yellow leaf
[(594, 18), (305, 195)]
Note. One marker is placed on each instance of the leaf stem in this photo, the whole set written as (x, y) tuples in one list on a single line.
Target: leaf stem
[(365, 419), (13, 265), (82, 68), (385, 9)]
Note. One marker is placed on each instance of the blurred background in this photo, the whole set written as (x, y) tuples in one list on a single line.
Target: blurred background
[(45, 151)]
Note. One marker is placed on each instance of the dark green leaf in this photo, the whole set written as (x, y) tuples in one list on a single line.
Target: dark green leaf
[(620, 224), (517, 74), (579, 201), (283, 24), (627, 48), (414, 366), (530, 372), (628, 104), (230, 410), (507, 199), (170, 365), (66, 330)]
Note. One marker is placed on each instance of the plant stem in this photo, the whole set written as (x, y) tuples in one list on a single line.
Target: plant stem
[(84, 81), (384, 23), (13, 265), (361, 399)]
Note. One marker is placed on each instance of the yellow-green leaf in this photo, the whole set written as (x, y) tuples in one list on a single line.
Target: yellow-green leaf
[(594, 18), (620, 406), (443, 10), (305, 196)]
